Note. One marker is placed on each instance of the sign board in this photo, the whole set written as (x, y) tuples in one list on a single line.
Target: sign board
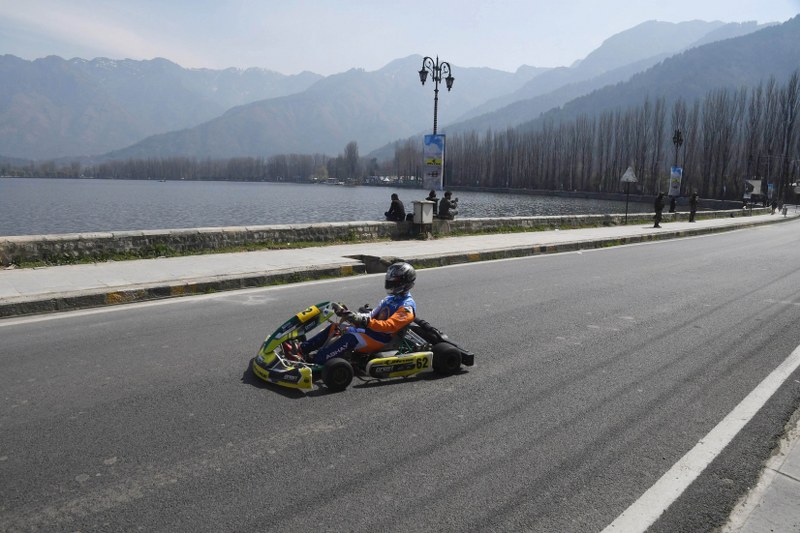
[(675, 176), (433, 154), (629, 176)]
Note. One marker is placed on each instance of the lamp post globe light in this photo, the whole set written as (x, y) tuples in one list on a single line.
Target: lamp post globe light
[(437, 70)]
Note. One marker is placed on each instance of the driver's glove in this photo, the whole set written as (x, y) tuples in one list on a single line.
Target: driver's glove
[(339, 309), (357, 319)]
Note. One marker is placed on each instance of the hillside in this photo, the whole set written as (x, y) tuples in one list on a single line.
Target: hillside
[(53, 107), (371, 108), (729, 64), (615, 61)]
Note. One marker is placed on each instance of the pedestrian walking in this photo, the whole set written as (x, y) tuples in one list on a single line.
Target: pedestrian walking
[(659, 208), (692, 206)]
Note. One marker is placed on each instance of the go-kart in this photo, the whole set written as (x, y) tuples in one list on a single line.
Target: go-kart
[(418, 349)]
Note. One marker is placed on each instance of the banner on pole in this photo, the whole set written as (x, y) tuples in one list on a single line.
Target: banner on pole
[(752, 187), (433, 153), (675, 176)]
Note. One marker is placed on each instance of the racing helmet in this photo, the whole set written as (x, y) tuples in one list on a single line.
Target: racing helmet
[(400, 277)]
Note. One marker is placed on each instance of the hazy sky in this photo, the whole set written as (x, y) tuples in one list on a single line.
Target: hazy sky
[(330, 36)]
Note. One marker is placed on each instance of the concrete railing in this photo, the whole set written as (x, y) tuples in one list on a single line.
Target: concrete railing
[(74, 247)]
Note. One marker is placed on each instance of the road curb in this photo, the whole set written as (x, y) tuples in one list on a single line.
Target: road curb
[(70, 301)]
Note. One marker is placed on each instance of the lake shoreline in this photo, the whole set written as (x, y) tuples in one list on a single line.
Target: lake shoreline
[(43, 206)]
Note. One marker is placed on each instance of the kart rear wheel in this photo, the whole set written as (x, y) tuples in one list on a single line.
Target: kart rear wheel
[(337, 374), (446, 358)]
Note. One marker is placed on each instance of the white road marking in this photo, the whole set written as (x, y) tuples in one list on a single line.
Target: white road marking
[(646, 510)]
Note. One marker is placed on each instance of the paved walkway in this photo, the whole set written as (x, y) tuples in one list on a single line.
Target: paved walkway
[(771, 506)]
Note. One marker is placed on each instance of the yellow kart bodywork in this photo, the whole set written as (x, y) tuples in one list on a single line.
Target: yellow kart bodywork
[(270, 365), (398, 366)]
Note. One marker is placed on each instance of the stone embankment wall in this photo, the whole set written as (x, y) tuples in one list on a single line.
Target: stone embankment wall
[(67, 248)]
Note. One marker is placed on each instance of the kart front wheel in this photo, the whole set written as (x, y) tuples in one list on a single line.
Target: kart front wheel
[(337, 374), (446, 358)]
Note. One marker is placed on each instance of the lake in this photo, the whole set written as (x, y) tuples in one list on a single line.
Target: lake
[(45, 206)]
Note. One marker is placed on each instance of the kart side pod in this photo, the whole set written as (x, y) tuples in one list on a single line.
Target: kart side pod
[(400, 366)]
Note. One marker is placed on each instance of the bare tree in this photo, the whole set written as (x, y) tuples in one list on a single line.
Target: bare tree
[(351, 161), (789, 99), (657, 137)]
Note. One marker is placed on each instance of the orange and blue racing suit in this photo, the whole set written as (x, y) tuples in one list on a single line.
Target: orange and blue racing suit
[(393, 314)]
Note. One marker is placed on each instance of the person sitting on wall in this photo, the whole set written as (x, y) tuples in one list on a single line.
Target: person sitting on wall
[(432, 198), (447, 206), (397, 211)]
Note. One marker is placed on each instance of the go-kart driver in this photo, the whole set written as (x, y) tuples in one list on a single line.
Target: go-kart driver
[(369, 332)]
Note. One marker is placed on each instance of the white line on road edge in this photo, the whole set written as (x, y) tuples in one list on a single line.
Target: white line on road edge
[(646, 510)]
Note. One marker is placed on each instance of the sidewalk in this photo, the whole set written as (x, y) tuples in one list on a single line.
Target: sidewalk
[(771, 506)]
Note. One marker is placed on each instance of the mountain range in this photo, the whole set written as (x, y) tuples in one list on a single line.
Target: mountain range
[(56, 108), (52, 107), (368, 107), (620, 57), (745, 61)]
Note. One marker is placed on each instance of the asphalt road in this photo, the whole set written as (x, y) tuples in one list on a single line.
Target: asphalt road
[(595, 373)]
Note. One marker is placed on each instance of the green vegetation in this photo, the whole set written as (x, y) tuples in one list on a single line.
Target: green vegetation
[(163, 250)]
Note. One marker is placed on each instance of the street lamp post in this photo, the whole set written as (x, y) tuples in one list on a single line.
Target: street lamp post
[(437, 70), (677, 140), (769, 159)]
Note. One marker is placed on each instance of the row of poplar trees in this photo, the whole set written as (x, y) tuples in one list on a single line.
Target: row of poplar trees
[(728, 136)]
